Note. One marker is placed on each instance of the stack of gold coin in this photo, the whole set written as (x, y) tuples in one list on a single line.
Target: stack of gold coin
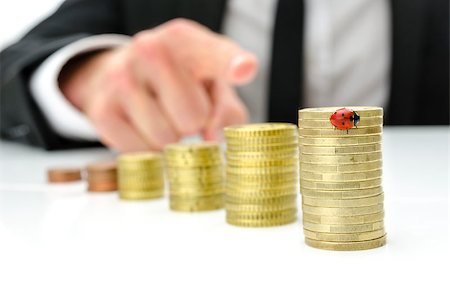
[(340, 179), (262, 174), (195, 174), (102, 176), (141, 176)]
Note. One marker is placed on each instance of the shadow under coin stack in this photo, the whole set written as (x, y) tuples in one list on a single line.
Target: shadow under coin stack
[(262, 174), (195, 174), (102, 176), (141, 176), (340, 180)]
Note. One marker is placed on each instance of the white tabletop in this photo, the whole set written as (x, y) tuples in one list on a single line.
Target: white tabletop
[(60, 241)]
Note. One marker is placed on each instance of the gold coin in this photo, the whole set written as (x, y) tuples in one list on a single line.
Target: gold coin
[(368, 201), (195, 191), (275, 200), (263, 163), (140, 185), (149, 158), (192, 163), (340, 159), (325, 123), (333, 133), (195, 206), (193, 148), (343, 229), (255, 178), (342, 220), (363, 236), (261, 223), (261, 193), (263, 154), (196, 180), (340, 150), (236, 183), (260, 130), (240, 207), (356, 245), (340, 185), (342, 195), (260, 171), (344, 211), (140, 195), (336, 142), (332, 177), (342, 168), (258, 148), (326, 112)]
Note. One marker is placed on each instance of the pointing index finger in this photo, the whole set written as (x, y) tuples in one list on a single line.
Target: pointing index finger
[(207, 55)]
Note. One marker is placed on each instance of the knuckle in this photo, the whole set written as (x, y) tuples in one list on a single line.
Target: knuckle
[(99, 114), (180, 27), (146, 43)]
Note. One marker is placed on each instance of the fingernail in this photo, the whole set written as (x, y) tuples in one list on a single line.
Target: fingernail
[(243, 68)]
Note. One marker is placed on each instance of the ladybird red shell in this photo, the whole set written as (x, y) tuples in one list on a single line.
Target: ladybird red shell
[(344, 119)]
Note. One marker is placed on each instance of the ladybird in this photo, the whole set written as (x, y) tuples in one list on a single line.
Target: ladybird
[(344, 119)]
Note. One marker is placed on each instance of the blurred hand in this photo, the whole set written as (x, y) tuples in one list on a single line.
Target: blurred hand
[(172, 81)]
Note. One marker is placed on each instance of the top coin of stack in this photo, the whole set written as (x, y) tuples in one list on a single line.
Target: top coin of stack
[(141, 176), (340, 180), (195, 173), (262, 174), (102, 176)]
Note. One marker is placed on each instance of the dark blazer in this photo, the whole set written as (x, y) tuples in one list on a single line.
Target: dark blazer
[(419, 75)]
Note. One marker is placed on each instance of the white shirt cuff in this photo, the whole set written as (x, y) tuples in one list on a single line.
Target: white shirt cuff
[(64, 118)]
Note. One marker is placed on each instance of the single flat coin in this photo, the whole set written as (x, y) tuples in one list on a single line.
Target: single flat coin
[(364, 236), (341, 150), (340, 142), (342, 220), (343, 246), (340, 159), (341, 194), (334, 133), (341, 177), (357, 185), (344, 211), (343, 229), (342, 168), (368, 201)]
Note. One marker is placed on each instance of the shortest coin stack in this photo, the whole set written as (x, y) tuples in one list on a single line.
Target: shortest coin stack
[(262, 173), (102, 176), (141, 176), (62, 175), (195, 173)]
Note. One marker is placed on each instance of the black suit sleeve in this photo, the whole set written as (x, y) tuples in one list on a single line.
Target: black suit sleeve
[(20, 118)]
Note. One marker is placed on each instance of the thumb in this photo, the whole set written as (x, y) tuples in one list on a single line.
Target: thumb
[(227, 109)]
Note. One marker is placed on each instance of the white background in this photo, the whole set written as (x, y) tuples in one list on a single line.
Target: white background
[(18, 16), (60, 241)]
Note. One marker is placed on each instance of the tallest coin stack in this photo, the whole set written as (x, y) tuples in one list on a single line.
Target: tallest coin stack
[(340, 180)]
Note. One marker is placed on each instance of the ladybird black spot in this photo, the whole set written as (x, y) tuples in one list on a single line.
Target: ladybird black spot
[(343, 123), (342, 114)]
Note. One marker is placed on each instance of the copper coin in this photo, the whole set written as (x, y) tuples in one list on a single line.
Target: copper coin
[(102, 167), (102, 186), (102, 176), (61, 175)]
